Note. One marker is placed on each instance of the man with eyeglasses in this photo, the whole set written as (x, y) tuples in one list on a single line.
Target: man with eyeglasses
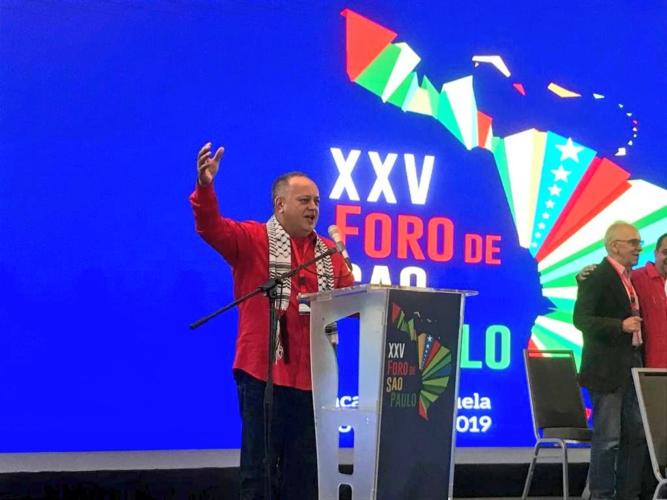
[(607, 312)]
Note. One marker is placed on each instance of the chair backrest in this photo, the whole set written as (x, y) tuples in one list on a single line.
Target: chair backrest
[(555, 396), (651, 387)]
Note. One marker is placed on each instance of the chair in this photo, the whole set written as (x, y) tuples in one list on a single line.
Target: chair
[(651, 388), (559, 416)]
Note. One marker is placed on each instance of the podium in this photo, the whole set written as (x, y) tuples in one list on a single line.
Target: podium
[(404, 425)]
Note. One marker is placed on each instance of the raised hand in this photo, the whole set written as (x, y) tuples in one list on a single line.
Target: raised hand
[(585, 272), (207, 165)]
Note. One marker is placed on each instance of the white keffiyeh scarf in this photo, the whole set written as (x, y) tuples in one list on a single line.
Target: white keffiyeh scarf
[(280, 262)]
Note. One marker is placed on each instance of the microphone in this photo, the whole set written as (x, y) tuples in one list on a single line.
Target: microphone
[(334, 233)]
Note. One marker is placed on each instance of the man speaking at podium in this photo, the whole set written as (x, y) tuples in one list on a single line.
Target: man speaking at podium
[(258, 252)]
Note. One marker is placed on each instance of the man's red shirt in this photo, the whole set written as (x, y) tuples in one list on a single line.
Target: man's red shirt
[(650, 286), (245, 246)]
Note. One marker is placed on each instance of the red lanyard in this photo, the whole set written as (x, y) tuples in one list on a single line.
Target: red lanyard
[(632, 295)]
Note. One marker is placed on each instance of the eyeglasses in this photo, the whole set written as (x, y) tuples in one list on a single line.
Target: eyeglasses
[(634, 243)]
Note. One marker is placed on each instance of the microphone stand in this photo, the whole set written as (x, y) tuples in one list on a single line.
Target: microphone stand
[(269, 288)]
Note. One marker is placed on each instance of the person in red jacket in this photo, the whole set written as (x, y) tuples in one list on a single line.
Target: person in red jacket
[(256, 252), (649, 281)]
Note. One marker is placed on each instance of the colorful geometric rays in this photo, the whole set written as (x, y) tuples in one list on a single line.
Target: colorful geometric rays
[(435, 364), (403, 324), (519, 162), (386, 70), (642, 204), (433, 359), (539, 172), (603, 182), (563, 166), (561, 196), (364, 40)]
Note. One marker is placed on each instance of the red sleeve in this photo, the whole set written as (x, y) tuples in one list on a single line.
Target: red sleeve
[(223, 234)]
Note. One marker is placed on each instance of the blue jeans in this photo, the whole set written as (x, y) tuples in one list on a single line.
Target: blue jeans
[(618, 449), (292, 451)]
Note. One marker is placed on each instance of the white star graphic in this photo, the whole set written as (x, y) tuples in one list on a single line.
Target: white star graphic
[(538, 235), (569, 150), (560, 174), (545, 215), (550, 204), (541, 225), (554, 190)]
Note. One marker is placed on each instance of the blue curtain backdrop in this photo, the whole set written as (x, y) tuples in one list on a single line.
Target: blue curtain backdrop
[(103, 106)]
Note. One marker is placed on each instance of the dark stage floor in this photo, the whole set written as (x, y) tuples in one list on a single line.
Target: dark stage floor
[(213, 474)]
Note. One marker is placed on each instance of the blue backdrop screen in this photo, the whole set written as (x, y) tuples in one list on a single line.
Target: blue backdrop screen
[(481, 146)]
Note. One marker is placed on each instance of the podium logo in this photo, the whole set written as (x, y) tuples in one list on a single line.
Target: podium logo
[(433, 360)]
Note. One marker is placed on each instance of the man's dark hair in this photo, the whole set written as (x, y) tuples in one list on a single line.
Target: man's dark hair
[(657, 245), (281, 181)]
